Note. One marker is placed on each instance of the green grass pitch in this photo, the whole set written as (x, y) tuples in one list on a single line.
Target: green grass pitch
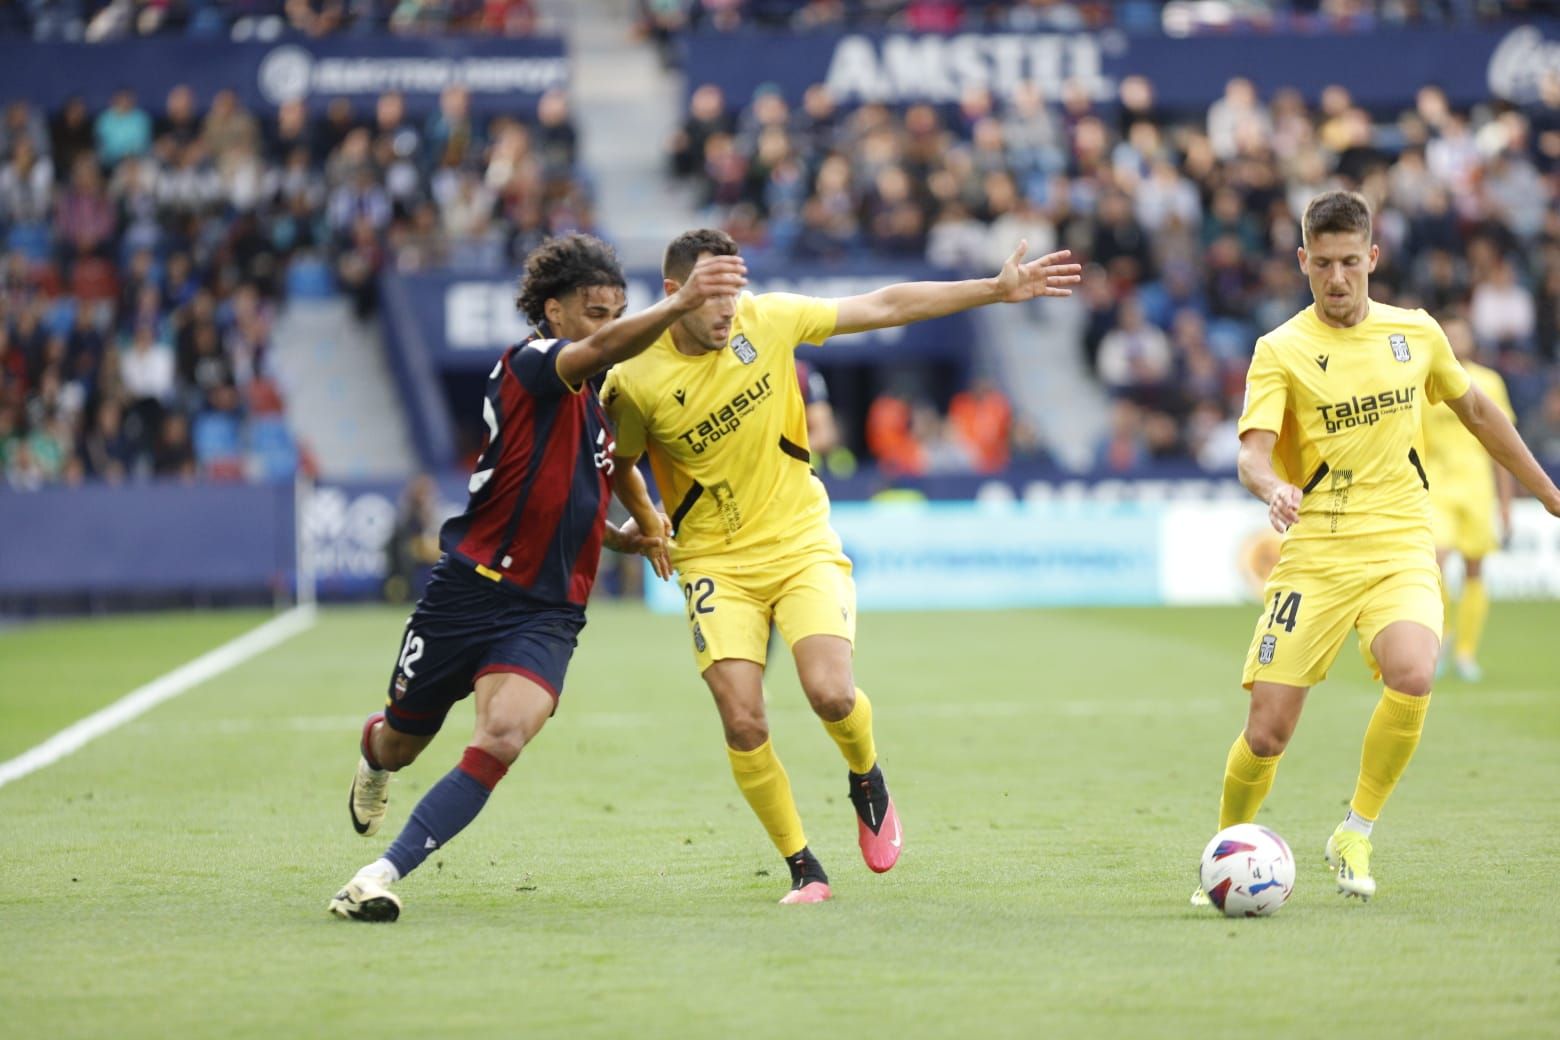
[(1057, 772)]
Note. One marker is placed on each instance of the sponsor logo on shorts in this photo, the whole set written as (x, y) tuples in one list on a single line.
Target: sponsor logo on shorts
[(1265, 651), (698, 638)]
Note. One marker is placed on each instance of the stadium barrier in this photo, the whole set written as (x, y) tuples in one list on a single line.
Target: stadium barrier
[(1381, 69), (1088, 543), (503, 76)]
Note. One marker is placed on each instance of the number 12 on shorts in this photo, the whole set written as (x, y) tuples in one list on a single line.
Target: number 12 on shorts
[(1286, 610)]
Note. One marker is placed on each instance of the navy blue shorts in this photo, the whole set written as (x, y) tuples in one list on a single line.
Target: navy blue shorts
[(466, 626)]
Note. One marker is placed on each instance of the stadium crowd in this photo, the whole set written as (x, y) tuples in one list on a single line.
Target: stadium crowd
[(100, 20), (1189, 222), (146, 252), (665, 19)]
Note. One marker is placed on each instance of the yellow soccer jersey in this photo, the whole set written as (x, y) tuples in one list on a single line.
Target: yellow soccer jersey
[(1347, 405), (727, 431), (1457, 463)]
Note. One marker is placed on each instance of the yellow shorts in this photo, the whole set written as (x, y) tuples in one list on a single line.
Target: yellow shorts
[(1464, 524), (731, 603), (1308, 610)]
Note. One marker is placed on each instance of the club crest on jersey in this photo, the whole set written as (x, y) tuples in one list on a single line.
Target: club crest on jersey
[(1265, 651), (698, 638), (1399, 346), (744, 349)]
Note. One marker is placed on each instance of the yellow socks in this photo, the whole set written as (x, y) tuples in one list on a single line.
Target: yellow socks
[(1390, 740), (1471, 614), (853, 734), (1248, 777), (767, 789)]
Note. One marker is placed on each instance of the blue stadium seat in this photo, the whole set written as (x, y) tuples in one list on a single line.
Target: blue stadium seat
[(309, 279), (60, 316), (273, 455), (215, 435), (31, 240)]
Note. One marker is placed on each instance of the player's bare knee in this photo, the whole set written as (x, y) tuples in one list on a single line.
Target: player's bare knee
[(1268, 737), (503, 742), (745, 731), (1414, 679), (831, 697)]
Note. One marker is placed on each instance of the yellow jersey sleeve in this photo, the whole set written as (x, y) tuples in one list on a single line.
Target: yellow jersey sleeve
[(1446, 379), (628, 421), (1267, 391), (800, 319)]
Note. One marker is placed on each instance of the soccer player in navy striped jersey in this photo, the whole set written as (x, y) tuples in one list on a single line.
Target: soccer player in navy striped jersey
[(506, 602)]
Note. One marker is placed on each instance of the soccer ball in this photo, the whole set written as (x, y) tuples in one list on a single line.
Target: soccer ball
[(1247, 871)]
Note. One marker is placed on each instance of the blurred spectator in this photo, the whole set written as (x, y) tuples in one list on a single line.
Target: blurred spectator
[(1542, 428), (1134, 356), (1502, 310), (982, 420), (413, 547), (122, 129)]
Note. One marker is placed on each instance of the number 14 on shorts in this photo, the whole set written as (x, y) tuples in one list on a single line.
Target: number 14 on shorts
[(1286, 610)]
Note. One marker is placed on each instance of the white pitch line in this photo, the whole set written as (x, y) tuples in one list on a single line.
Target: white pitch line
[(142, 699)]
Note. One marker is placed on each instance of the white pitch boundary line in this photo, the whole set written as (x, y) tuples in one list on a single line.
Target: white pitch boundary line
[(144, 698)]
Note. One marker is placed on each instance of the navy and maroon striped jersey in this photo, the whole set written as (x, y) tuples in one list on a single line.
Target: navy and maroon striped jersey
[(539, 496)]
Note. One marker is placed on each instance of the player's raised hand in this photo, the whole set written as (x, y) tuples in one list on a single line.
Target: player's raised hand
[(1284, 507), (712, 276), (1050, 275)]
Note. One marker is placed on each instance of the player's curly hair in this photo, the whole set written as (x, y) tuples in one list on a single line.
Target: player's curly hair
[(687, 247), (1334, 212), (563, 265)]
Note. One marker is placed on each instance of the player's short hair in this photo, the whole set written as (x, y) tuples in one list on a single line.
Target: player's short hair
[(563, 265), (1334, 212), (687, 247)]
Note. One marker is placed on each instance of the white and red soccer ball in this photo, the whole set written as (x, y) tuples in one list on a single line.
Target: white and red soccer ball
[(1247, 871)]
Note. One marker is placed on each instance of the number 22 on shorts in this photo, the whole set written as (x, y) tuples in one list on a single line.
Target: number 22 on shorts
[(697, 594)]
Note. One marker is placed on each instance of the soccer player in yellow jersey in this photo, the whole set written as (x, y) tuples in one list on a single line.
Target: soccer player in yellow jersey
[(1464, 489), (716, 403), (1331, 441)]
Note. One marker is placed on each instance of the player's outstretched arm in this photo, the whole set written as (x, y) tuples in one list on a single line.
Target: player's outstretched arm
[(908, 302), (649, 530), (1489, 424), (628, 336), (1255, 466)]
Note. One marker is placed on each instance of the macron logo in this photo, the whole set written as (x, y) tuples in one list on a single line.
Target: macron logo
[(1322, 359), (430, 844), (680, 395)]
